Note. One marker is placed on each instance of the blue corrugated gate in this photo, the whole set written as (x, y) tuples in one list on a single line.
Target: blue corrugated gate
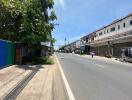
[(3, 53), (10, 53)]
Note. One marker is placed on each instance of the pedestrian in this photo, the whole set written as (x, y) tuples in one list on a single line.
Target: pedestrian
[(72, 52), (92, 54)]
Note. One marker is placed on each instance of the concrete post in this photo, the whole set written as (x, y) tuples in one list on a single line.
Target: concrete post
[(98, 50), (110, 49)]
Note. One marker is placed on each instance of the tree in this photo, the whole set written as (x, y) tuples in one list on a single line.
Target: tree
[(10, 18), (24, 21)]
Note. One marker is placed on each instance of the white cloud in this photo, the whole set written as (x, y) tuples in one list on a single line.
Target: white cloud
[(61, 3)]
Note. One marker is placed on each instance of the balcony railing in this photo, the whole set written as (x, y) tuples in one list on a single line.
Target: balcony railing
[(110, 38)]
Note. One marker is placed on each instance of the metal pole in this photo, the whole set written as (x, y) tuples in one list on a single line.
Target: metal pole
[(109, 49), (65, 44)]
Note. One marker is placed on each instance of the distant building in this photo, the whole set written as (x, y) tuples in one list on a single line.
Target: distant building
[(85, 46), (108, 40), (111, 38)]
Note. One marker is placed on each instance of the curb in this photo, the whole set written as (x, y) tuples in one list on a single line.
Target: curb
[(68, 89)]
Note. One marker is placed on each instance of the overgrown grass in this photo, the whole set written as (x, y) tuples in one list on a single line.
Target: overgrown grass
[(43, 60)]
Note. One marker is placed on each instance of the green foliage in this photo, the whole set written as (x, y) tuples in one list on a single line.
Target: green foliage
[(50, 3), (52, 16), (54, 40), (10, 17), (43, 60), (25, 21)]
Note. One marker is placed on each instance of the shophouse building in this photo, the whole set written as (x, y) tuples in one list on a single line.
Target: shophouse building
[(110, 39)]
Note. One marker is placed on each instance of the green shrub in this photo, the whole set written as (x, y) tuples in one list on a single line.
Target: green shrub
[(43, 60)]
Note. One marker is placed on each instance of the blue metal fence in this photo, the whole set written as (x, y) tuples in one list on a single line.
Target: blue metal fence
[(3, 53)]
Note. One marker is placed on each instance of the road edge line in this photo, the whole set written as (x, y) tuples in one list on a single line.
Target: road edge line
[(68, 89)]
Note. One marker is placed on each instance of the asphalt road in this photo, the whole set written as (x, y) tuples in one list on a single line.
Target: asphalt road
[(92, 79)]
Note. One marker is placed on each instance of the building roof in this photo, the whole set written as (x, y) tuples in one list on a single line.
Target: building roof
[(115, 21), (89, 34)]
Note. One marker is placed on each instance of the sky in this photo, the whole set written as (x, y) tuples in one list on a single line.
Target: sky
[(77, 18)]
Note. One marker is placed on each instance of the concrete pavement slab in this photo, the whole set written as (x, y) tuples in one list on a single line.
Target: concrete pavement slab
[(34, 90), (45, 85), (10, 77)]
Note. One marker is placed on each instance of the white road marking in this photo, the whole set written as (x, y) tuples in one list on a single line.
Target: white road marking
[(62, 57), (69, 91), (98, 65)]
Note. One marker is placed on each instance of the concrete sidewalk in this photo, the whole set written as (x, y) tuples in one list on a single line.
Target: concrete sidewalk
[(112, 60), (39, 87), (45, 85), (10, 77), (97, 57)]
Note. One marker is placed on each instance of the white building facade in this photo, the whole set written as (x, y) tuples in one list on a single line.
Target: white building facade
[(111, 38)]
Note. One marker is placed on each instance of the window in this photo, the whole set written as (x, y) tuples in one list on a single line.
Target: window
[(87, 39), (100, 33), (112, 29), (107, 31), (118, 26), (124, 25), (104, 32), (130, 22)]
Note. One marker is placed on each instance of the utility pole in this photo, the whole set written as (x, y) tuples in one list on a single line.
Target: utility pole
[(65, 44)]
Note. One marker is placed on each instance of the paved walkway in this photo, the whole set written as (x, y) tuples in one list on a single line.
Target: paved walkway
[(39, 87), (10, 77), (45, 85), (100, 58)]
